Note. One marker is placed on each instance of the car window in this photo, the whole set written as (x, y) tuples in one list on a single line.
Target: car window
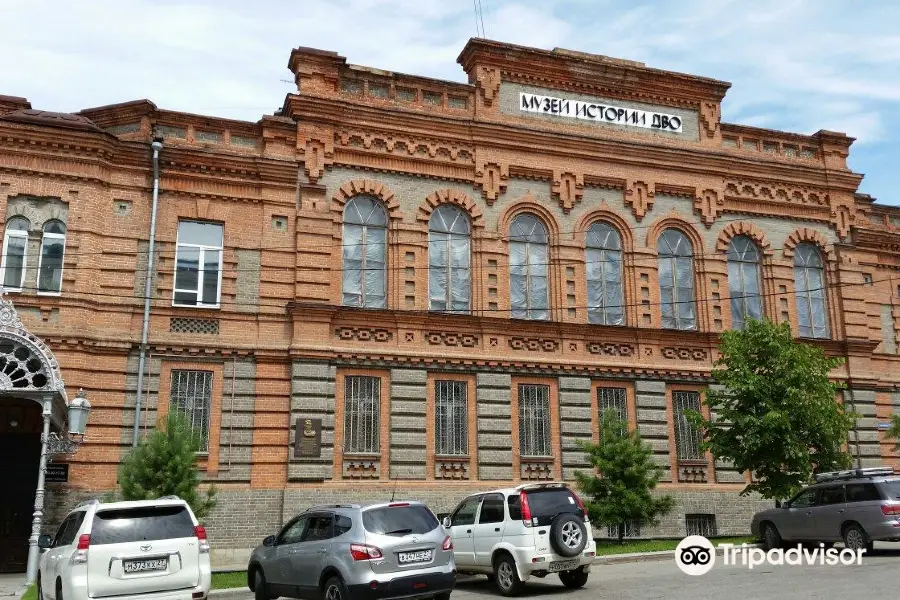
[(862, 492), (833, 494), (143, 524), (400, 519), (465, 514), (805, 499), (61, 532), (320, 528), (293, 531), (492, 509), (892, 489), (342, 524), (515, 507), (545, 504)]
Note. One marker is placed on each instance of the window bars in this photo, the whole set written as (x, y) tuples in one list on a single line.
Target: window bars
[(632, 529), (451, 429), (613, 399), (700, 524), (534, 420), (362, 411), (687, 437), (191, 393)]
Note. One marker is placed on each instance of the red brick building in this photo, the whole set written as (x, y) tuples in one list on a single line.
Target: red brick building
[(442, 283)]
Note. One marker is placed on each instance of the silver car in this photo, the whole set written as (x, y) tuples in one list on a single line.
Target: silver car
[(858, 507), (373, 551)]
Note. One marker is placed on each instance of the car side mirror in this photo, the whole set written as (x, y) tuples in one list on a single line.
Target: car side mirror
[(45, 541), (447, 523), (269, 541)]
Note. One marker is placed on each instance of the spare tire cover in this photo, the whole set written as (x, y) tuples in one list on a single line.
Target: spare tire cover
[(568, 535)]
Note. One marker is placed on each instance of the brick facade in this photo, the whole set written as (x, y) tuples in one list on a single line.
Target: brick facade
[(280, 345)]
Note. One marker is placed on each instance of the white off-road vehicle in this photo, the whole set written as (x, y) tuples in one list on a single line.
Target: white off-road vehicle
[(514, 534)]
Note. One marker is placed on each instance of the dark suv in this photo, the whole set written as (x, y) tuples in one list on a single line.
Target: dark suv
[(858, 507)]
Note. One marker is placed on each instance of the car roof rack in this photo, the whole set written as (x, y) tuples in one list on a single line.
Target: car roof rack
[(542, 484), (854, 474), (87, 502)]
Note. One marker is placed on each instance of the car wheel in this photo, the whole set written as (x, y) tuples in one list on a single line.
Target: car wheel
[(568, 535), (855, 538), (573, 579), (506, 576), (771, 537), (260, 591), (335, 589)]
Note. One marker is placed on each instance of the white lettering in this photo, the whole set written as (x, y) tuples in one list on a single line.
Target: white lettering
[(577, 109)]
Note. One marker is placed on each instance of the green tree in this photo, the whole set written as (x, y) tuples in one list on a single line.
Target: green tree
[(164, 464), (627, 477), (894, 432), (775, 410)]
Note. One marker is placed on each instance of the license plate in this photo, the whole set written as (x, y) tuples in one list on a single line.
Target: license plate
[(142, 566), (406, 558), (563, 565)]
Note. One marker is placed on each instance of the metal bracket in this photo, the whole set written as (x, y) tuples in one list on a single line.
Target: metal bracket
[(62, 444)]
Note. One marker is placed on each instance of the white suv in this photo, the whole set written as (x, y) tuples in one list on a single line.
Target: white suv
[(529, 531), (152, 550)]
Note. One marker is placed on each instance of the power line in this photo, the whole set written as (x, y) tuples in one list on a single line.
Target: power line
[(481, 18), (475, 6)]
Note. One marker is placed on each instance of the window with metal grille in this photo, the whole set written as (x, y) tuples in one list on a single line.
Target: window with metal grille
[(365, 253), (743, 281), (362, 411), (191, 393), (603, 265), (632, 529), (700, 524), (451, 430), (613, 399), (687, 437), (676, 280), (534, 420), (809, 275), (528, 267)]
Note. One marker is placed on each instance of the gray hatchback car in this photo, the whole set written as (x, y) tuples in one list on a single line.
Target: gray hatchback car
[(375, 551), (858, 507)]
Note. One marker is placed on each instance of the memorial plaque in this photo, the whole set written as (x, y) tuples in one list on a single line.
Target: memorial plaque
[(57, 473), (308, 438)]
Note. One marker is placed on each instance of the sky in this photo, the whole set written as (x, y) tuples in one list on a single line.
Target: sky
[(795, 65)]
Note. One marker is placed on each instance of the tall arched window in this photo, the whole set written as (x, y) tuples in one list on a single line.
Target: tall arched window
[(743, 281), (676, 280), (50, 262), (603, 258), (528, 258), (15, 252), (365, 253), (809, 276), (449, 279)]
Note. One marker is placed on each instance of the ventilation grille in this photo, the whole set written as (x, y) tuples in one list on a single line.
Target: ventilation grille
[(202, 326)]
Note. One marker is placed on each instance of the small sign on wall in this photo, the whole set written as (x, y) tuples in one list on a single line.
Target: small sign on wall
[(57, 473), (308, 438)]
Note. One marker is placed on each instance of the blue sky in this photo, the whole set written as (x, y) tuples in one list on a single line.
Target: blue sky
[(797, 65)]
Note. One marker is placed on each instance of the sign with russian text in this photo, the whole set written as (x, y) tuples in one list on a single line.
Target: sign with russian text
[(57, 473), (598, 111)]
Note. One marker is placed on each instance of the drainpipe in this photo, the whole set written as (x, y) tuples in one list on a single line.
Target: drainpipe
[(157, 146)]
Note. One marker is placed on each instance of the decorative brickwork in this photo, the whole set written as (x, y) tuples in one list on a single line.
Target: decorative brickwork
[(187, 325)]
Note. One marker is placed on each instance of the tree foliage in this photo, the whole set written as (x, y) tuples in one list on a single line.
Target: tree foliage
[(894, 432), (775, 411), (164, 464), (627, 477)]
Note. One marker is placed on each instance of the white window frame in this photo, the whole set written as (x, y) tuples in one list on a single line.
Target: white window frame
[(200, 272), (53, 236), (14, 233)]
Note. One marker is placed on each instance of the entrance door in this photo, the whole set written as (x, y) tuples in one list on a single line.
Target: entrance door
[(20, 437)]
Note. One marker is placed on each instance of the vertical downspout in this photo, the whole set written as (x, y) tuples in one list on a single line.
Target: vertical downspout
[(850, 387), (157, 146)]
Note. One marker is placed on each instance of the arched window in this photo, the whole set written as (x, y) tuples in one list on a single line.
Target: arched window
[(603, 258), (809, 276), (15, 252), (743, 281), (365, 253), (528, 258), (50, 262), (676, 280), (449, 279)]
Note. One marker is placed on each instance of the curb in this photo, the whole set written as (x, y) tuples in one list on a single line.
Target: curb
[(615, 559), (230, 593)]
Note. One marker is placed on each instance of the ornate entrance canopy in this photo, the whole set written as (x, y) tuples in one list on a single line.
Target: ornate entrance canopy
[(28, 368)]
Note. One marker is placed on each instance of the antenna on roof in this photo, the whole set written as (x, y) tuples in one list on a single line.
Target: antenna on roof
[(395, 490)]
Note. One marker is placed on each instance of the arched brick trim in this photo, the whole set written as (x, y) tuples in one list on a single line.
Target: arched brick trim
[(450, 196), (527, 203), (675, 221), (605, 213), (751, 230), (358, 187), (805, 234)]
